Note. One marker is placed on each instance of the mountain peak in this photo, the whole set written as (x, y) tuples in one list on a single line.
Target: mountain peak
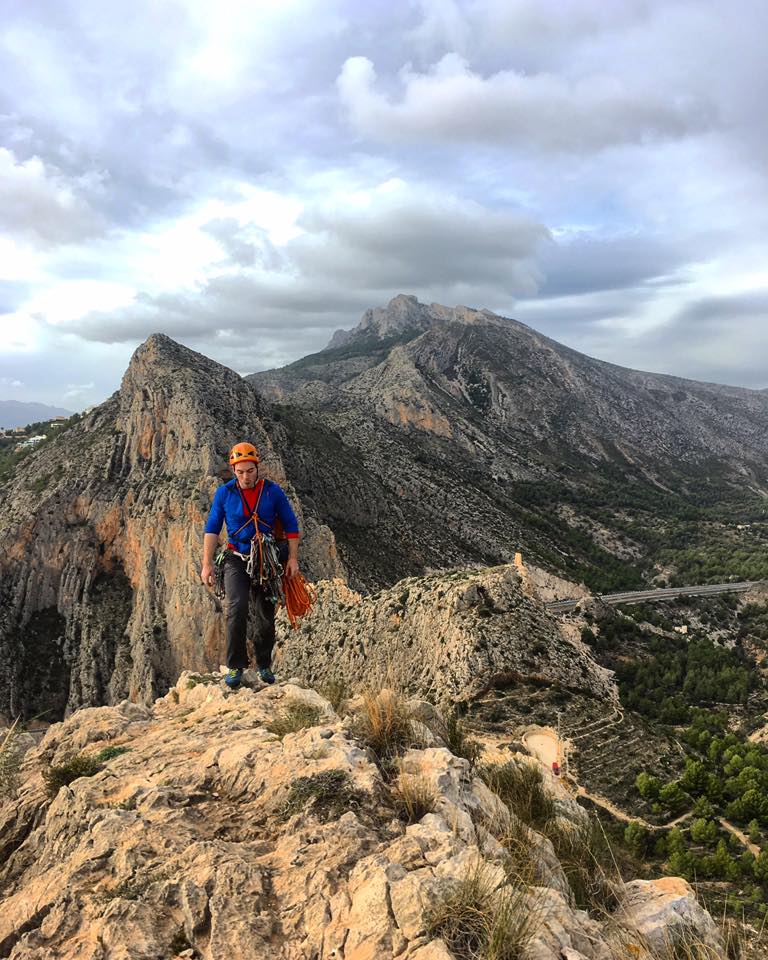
[(405, 313)]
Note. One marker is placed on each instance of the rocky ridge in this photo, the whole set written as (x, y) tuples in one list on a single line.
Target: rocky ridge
[(101, 538), (191, 839), (448, 637)]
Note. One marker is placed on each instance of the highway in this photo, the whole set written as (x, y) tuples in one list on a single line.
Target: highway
[(654, 596)]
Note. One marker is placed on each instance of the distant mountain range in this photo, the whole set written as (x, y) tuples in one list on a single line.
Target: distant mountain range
[(13, 413)]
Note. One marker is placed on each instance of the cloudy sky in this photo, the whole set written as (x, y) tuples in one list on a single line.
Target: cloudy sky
[(248, 177)]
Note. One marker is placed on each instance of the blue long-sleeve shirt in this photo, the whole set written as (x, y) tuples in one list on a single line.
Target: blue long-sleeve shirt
[(274, 512)]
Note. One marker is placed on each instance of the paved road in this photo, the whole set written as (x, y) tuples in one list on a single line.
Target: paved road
[(653, 596)]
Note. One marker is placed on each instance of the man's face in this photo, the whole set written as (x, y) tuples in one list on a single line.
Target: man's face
[(247, 474)]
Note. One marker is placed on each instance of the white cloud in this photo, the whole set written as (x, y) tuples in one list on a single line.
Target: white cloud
[(453, 103), (40, 205), (268, 271), (243, 177), (75, 391)]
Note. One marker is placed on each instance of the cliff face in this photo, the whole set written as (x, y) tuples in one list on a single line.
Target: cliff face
[(101, 532), (200, 829)]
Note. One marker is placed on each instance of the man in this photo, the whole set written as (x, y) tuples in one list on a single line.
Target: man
[(242, 503)]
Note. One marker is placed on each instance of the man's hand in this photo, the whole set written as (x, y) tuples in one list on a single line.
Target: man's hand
[(291, 567), (207, 575)]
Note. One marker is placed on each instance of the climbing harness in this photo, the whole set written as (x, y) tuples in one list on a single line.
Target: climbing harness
[(264, 567)]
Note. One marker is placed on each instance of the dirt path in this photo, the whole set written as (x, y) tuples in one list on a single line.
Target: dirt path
[(543, 744), (752, 847)]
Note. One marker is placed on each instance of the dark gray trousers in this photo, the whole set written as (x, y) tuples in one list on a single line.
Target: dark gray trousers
[(240, 590)]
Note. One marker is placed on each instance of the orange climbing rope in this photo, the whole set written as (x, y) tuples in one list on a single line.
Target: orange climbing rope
[(299, 597)]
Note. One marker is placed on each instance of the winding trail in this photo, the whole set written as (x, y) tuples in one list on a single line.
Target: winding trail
[(752, 847), (545, 745)]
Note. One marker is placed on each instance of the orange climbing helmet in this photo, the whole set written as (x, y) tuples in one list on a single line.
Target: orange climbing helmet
[(242, 453)]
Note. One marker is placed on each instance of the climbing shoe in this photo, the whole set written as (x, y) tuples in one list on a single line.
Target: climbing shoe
[(233, 678), (266, 675)]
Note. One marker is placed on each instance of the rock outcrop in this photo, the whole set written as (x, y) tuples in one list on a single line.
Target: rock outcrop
[(204, 830), (447, 637), (101, 533)]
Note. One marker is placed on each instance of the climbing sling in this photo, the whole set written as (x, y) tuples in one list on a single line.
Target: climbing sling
[(264, 566)]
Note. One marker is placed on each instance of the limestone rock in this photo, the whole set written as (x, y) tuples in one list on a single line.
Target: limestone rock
[(447, 636), (99, 592), (201, 828), (660, 908)]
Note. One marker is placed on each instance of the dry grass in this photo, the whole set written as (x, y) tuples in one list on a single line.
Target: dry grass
[(412, 797), (384, 724), (683, 943), (587, 862), (453, 731), (521, 787), (477, 921), (10, 762), (296, 716), (335, 691), (329, 794), (516, 838)]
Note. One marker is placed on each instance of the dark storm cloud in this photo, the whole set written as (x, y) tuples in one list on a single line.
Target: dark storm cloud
[(592, 264)]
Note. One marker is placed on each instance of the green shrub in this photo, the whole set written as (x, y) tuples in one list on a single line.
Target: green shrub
[(330, 794), (109, 753), (297, 716), (62, 774)]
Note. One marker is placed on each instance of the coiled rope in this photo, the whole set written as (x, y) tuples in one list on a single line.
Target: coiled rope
[(298, 598)]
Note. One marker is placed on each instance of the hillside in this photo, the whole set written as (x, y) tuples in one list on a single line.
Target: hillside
[(452, 434)]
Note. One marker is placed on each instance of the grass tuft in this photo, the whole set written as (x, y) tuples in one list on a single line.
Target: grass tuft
[(297, 716), (62, 774), (683, 943), (384, 724), (477, 921), (330, 794), (10, 762), (587, 862), (335, 691), (453, 731), (412, 797), (521, 787), (515, 837)]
